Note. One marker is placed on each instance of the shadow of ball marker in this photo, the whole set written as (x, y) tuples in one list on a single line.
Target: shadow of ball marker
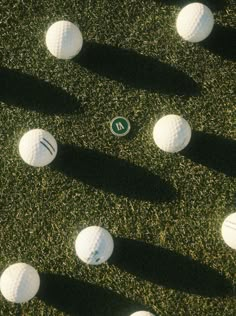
[(47, 145)]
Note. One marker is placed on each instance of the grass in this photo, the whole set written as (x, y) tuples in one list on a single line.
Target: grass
[(169, 256)]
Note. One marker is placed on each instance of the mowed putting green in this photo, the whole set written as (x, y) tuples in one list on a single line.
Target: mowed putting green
[(163, 210)]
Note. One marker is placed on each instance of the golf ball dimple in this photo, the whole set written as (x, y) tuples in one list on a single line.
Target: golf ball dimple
[(64, 40), (37, 148), (19, 283), (94, 245), (172, 133), (195, 22), (228, 230), (142, 313)]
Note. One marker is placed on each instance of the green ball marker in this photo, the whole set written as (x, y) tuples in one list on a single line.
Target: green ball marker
[(120, 126)]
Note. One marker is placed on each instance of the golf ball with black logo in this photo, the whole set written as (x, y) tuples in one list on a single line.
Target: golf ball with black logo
[(172, 133), (64, 40), (94, 245), (19, 283), (195, 22), (38, 148)]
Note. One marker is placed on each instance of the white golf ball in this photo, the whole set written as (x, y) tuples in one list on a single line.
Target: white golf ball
[(195, 22), (142, 313), (228, 230), (19, 283), (38, 147), (64, 40), (172, 133), (94, 245)]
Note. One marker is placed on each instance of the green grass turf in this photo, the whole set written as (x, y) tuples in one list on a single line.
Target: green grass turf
[(133, 64)]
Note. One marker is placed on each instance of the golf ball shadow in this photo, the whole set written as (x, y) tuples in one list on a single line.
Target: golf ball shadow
[(221, 42), (76, 297), (169, 269), (213, 151), (26, 91), (135, 70), (112, 174)]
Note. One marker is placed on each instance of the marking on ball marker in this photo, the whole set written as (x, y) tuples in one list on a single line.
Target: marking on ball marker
[(49, 144), (119, 126), (47, 147)]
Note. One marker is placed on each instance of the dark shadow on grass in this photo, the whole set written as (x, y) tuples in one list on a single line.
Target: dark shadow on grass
[(212, 151), (76, 297), (221, 42), (169, 269), (213, 5), (23, 90), (111, 174), (135, 70)]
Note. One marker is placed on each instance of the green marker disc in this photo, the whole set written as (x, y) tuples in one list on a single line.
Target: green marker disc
[(120, 126)]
